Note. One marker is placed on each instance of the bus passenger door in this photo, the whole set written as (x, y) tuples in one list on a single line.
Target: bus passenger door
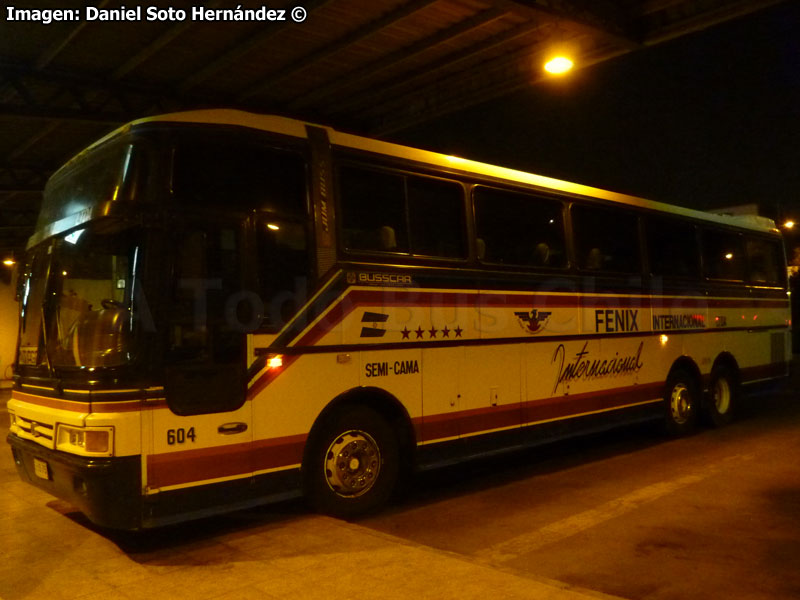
[(204, 432)]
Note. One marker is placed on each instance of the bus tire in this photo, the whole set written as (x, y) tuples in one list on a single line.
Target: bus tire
[(681, 403), (723, 396), (351, 465)]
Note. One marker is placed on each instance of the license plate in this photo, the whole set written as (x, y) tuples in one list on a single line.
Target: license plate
[(41, 469), (28, 355)]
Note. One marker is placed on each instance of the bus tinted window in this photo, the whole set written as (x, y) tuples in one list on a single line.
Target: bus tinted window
[(373, 210), (519, 229), (436, 215), (606, 240), (672, 248), (393, 212), (239, 175), (723, 256), (765, 260), (282, 248)]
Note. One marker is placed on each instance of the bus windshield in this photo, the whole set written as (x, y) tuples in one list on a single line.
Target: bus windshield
[(77, 301), (108, 173)]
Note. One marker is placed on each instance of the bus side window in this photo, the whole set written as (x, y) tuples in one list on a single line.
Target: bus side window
[(514, 228), (436, 217), (723, 256), (606, 240), (672, 248), (764, 259), (206, 275), (188, 339), (385, 211), (373, 203), (282, 269)]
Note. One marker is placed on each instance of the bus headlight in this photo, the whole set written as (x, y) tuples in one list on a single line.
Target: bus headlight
[(85, 440)]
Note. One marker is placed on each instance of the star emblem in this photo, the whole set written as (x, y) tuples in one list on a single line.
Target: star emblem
[(445, 332), (433, 331), (405, 333), (458, 331), (419, 332)]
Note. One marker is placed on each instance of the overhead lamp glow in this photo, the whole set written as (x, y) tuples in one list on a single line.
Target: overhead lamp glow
[(558, 65), (9, 262), (789, 224)]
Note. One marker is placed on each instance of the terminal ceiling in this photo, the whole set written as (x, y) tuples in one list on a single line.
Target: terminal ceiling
[(367, 66)]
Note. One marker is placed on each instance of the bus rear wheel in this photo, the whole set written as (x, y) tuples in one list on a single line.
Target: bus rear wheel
[(352, 463), (722, 397), (681, 400)]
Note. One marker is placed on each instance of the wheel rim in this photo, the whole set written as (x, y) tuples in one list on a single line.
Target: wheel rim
[(352, 464), (680, 404), (722, 395)]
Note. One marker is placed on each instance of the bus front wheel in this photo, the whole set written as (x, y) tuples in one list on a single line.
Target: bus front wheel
[(681, 400), (351, 465)]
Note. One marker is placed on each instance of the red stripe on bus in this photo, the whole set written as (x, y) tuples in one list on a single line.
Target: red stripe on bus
[(175, 468), (402, 298), (565, 406), (116, 407), (449, 425), (279, 452), (71, 405), (188, 466)]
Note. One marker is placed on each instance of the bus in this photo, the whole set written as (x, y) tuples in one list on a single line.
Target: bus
[(220, 309)]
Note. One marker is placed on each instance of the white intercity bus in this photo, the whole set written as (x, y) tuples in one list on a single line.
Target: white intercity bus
[(220, 309)]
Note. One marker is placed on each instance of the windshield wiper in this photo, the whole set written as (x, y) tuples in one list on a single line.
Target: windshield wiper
[(44, 326), (46, 344)]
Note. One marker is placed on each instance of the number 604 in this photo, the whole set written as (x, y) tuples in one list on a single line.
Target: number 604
[(179, 436)]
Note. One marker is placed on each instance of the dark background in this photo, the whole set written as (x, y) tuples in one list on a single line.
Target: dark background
[(708, 120)]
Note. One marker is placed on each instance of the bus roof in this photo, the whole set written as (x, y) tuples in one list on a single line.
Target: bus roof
[(296, 128)]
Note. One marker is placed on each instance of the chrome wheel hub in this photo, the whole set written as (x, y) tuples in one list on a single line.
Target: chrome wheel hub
[(680, 404), (352, 464)]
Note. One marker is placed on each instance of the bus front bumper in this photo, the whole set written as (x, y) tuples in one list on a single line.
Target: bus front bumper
[(106, 490)]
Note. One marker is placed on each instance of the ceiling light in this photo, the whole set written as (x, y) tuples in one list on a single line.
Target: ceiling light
[(558, 65)]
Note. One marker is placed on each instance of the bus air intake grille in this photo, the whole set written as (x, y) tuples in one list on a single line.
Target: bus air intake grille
[(41, 433)]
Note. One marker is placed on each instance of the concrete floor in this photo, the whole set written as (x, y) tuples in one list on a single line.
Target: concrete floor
[(632, 514), (629, 514)]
